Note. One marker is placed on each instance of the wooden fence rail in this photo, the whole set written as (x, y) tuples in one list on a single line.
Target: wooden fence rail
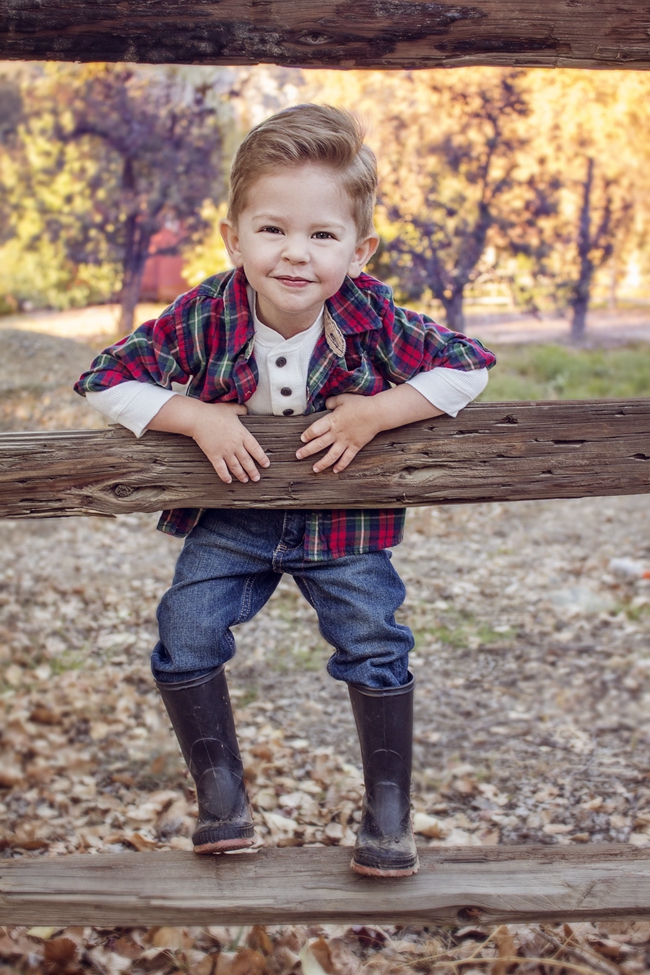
[(485, 885), (490, 452), (331, 33)]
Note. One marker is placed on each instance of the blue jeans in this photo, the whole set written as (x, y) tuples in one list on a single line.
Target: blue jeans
[(229, 567)]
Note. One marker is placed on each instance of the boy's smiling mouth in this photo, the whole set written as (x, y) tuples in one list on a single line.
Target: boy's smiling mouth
[(293, 282)]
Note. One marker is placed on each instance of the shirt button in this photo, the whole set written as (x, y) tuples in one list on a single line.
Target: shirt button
[(287, 413), (281, 361), (285, 391)]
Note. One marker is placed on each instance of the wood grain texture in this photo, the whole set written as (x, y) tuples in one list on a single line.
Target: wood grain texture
[(497, 885), (490, 452), (331, 33)]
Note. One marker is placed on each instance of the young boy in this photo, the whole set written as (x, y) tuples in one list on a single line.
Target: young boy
[(297, 327)]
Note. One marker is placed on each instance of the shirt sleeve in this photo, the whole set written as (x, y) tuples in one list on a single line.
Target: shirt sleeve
[(162, 351), (131, 403), (450, 389)]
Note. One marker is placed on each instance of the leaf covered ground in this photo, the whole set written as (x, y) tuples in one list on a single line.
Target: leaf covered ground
[(532, 722)]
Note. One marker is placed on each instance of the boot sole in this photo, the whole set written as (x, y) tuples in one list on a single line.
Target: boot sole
[(222, 846), (384, 871)]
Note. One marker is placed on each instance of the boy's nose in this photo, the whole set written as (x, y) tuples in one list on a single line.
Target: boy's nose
[(296, 250)]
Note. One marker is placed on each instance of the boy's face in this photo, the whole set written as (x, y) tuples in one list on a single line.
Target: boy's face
[(296, 240)]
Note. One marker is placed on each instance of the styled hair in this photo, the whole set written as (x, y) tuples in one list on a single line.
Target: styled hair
[(303, 134)]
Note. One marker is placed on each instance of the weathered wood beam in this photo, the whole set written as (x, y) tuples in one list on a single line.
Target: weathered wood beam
[(490, 452), (331, 33), (486, 885)]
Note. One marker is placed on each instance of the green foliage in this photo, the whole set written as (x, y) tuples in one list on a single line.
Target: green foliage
[(548, 372), (104, 157), (206, 254)]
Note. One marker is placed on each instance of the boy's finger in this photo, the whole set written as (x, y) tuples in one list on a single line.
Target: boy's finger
[(330, 458), (345, 460), (317, 429), (313, 448), (333, 401), (222, 471), (254, 449), (238, 470), (248, 464)]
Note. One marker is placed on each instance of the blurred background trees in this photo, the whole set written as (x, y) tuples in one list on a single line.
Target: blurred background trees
[(452, 183), (487, 188), (103, 158), (510, 189)]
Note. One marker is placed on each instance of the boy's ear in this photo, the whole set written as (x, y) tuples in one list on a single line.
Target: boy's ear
[(228, 231), (363, 252)]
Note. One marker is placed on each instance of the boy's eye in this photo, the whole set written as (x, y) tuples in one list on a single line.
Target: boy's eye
[(323, 235), (271, 230)]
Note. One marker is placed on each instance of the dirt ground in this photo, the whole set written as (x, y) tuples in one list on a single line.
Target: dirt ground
[(97, 324), (532, 718)]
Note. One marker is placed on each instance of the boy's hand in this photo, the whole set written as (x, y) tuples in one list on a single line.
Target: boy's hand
[(228, 445), (352, 424), (356, 419), (216, 428)]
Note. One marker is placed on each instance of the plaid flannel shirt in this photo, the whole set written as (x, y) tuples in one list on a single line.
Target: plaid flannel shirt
[(205, 340)]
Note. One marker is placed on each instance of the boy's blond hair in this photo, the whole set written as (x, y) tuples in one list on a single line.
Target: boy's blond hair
[(303, 134)]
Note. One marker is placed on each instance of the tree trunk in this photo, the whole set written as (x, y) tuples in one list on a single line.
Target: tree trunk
[(136, 249), (454, 311), (579, 320), (612, 302), (130, 294), (582, 290)]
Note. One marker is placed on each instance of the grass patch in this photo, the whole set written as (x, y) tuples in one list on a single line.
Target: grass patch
[(547, 372), (460, 630), (67, 660)]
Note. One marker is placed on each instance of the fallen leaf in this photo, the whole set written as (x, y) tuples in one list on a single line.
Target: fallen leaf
[(140, 842), (108, 961), (8, 948), (42, 933), (204, 967), (606, 947), (10, 776), (310, 963), (127, 947), (259, 940), (60, 955), (368, 937), (248, 962), (224, 964), (285, 958), (321, 952), (428, 826), (166, 937)]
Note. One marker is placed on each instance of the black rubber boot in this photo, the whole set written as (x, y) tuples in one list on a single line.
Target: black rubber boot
[(201, 716), (385, 844)]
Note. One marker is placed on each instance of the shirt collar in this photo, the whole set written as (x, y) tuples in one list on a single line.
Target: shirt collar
[(350, 308), (347, 312)]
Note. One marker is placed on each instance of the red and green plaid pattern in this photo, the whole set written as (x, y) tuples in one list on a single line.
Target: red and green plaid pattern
[(205, 340)]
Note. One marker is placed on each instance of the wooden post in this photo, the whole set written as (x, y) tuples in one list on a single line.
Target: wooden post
[(331, 33), (482, 885), (490, 452)]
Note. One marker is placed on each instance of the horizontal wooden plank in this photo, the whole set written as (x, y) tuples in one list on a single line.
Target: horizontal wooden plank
[(495, 885), (331, 33), (490, 452)]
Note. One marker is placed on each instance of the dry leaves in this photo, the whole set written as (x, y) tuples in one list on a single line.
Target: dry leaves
[(615, 949)]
